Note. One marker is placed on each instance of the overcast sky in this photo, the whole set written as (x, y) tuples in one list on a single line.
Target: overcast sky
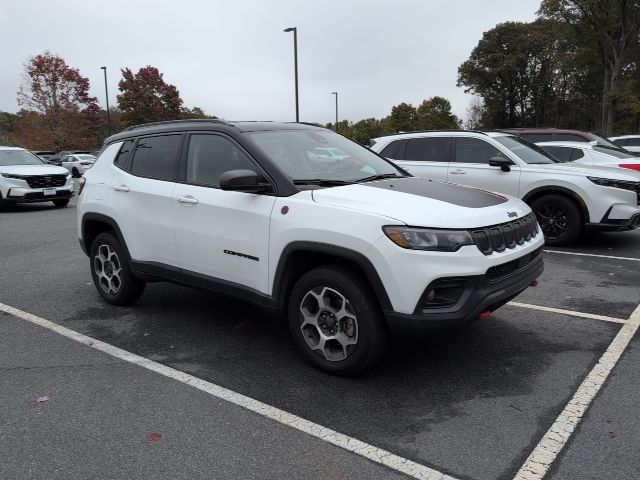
[(232, 59)]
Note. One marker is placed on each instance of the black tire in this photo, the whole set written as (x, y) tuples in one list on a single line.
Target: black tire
[(61, 203), (559, 219), (368, 330), (129, 289), (75, 173)]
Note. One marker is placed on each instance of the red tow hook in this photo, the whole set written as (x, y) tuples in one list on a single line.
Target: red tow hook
[(535, 283), (484, 314)]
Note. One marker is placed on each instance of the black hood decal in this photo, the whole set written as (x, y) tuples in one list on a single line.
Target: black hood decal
[(445, 192)]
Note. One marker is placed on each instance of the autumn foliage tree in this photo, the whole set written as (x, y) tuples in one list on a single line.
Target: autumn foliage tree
[(57, 111), (146, 97)]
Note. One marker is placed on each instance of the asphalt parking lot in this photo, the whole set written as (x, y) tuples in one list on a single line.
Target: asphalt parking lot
[(475, 403)]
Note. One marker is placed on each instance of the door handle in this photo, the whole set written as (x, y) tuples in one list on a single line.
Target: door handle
[(188, 199), (121, 188), (458, 171)]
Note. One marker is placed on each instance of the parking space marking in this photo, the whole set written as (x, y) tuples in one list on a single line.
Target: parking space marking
[(338, 439), (593, 255), (573, 313), (554, 440)]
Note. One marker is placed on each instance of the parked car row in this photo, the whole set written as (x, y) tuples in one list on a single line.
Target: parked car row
[(566, 197)]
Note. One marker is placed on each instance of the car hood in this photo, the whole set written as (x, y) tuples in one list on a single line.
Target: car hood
[(34, 170), (425, 203), (593, 171)]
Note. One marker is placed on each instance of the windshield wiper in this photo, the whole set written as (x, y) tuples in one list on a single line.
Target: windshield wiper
[(379, 177), (321, 182)]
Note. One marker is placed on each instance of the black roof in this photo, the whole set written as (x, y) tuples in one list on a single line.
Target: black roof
[(210, 124)]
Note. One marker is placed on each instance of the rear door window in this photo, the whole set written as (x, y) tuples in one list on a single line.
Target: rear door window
[(561, 153), (157, 157), (394, 150)]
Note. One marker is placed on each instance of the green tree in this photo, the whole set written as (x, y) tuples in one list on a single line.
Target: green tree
[(435, 113), (145, 97), (613, 25), (403, 118)]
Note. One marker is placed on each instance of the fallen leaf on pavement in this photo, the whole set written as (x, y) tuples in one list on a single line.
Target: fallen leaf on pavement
[(43, 399), (154, 437)]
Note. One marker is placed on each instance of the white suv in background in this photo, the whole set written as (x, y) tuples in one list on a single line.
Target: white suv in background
[(566, 198), (591, 154), (25, 178), (628, 142), (348, 249)]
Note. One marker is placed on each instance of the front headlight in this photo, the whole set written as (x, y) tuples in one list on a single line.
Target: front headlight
[(428, 238), (623, 184), (10, 175)]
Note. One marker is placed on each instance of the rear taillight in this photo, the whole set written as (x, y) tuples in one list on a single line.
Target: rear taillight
[(81, 183), (631, 166)]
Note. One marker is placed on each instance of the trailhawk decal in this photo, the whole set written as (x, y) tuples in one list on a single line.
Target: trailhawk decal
[(445, 192)]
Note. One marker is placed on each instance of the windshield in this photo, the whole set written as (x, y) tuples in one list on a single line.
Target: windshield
[(304, 156), (18, 157), (614, 152), (606, 143), (526, 151)]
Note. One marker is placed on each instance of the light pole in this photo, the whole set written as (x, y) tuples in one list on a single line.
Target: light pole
[(336, 94), (106, 94), (295, 63)]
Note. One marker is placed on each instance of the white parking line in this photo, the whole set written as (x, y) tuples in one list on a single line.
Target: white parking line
[(350, 444), (552, 443), (573, 313), (593, 255)]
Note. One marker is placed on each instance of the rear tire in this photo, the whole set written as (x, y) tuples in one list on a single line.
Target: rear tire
[(336, 321), (61, 203), (559, 219), (110, 271)]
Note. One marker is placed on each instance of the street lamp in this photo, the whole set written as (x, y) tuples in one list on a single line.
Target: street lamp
[(106, 94), (295, 63), (336, 94)]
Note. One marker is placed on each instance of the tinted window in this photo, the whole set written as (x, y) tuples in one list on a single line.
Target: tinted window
[(394, 150), (122, 160), (474, 150), (569, 137), (157, 157), (537, 137), (622, 142), (210, 156), (565, 154), (633, 142), (434, 149)]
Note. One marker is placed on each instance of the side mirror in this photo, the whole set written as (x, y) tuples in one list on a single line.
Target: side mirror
[(503, 163), (244, 181)]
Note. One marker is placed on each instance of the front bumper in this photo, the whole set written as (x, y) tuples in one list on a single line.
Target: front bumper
[(619, 217), (33, 195), (481, 293)]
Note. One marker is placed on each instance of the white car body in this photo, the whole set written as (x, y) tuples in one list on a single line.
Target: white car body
[(591, 154), (29, 183), (603, 206), (628, 142), (77, 164), (171, 224)]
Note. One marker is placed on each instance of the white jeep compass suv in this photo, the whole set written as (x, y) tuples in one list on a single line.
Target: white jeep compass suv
[(349, 248), (567, 198)]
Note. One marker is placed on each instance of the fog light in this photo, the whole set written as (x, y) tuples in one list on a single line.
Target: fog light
[(431, 294)]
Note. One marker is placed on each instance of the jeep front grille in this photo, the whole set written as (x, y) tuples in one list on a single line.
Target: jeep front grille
[(498, 238)]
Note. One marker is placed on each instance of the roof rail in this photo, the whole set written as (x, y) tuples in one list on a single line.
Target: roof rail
[(167, 122), (435, 130)]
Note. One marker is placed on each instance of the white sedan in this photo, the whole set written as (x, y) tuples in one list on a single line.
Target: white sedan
[(77, 164), (591, 154), (628, 142)]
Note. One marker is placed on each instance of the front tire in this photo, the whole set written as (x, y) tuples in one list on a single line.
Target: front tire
[(75, 173), (61, 203), (559, 219), (336, 321), (110, 271)]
